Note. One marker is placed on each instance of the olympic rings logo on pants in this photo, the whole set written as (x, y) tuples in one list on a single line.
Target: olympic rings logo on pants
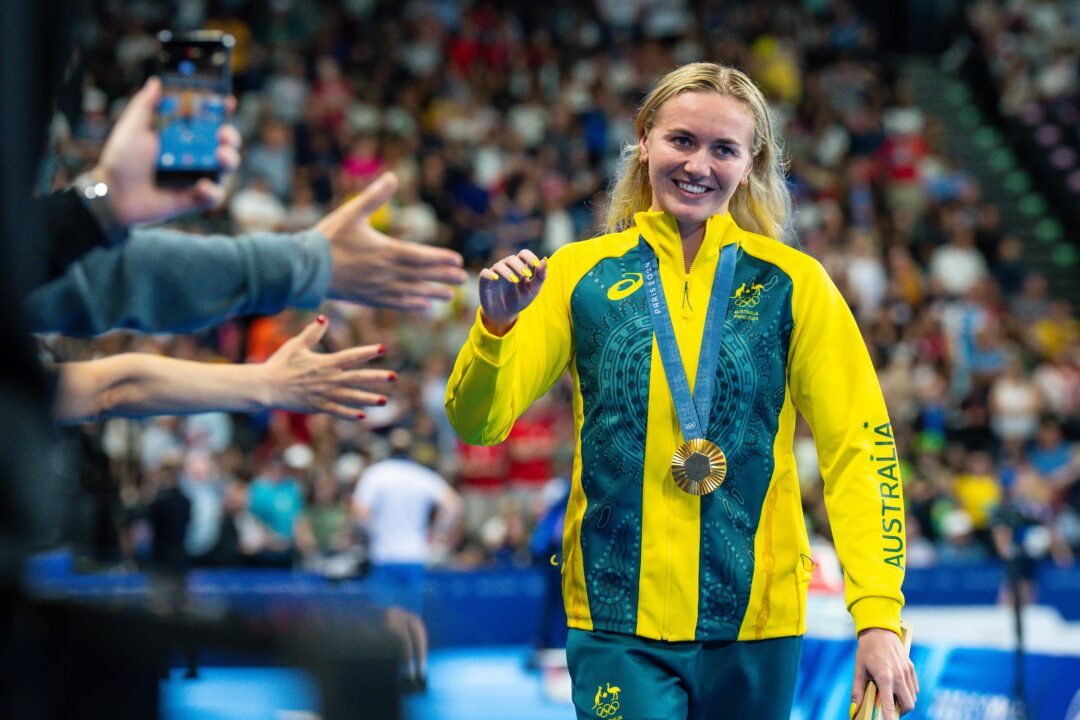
[(607, 710)]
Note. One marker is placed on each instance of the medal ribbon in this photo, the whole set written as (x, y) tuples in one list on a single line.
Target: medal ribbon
[(692, 408)]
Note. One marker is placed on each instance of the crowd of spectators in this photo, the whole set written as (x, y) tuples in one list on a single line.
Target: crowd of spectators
[(1024, 64), (503, 122), (1032, 51)]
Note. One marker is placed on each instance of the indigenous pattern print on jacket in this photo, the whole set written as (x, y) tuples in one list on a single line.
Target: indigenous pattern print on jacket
[(641, 556)]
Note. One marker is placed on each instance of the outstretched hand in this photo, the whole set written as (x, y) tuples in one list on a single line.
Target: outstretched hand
[(508, 287), (128, 165), (881, 657), (304, 381), (375, 269)]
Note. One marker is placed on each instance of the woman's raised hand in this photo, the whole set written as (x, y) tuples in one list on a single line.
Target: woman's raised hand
[(507, 288)]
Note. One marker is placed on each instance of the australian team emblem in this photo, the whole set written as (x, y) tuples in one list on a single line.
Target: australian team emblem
[(748, 295), (606, 703)]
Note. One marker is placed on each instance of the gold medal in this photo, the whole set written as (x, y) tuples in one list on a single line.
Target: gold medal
[(699, 467)]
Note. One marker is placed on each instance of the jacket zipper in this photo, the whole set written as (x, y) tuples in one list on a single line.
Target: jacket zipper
[(686, 308), (686, 312)]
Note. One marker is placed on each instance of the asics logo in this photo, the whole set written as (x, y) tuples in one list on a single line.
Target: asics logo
[(625, 287)]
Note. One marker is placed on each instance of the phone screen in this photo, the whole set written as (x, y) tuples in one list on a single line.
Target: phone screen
[(196, 79)]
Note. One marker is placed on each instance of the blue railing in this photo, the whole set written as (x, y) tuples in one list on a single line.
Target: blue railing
[(486, 607)]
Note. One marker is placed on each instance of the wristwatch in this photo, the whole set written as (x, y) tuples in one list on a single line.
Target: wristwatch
[(93, 194)]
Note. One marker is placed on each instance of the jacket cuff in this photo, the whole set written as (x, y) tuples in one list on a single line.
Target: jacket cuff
[(311, 283), (492, 349), (285, 270), (876, 612)]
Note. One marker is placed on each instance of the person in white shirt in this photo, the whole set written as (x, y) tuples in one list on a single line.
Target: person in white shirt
[(393, 501), (958, 265)]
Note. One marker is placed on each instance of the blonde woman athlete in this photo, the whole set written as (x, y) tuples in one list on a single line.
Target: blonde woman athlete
[(693, 334)]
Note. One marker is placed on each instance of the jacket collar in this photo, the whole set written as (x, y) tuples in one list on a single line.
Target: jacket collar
[(661, 231)]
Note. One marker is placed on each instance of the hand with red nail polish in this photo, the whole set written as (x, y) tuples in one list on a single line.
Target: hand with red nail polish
[(305, 381), (294, 378)]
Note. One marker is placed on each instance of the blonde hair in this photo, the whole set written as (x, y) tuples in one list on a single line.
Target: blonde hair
[(762, 206)]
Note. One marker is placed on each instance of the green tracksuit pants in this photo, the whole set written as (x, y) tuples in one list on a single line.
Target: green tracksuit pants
[(625, 677)]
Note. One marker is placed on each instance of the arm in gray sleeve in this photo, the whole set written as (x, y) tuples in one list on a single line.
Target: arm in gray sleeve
[(168, 281)]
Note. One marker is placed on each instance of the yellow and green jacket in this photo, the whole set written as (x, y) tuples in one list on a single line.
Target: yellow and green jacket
[(641, 556)]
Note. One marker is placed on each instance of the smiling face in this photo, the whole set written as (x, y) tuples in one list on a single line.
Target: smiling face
[(698, 151)]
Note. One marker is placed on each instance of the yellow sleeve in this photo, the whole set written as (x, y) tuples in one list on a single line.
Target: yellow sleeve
[(835, 387), (496, 378)]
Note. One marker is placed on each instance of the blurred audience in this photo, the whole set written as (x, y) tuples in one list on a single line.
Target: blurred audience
[(502, 122)]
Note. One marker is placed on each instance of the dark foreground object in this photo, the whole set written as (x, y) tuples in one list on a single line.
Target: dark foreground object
[(74, 659)]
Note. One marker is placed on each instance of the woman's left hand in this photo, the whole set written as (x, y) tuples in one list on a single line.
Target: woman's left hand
[(304, 381), (881, 657)]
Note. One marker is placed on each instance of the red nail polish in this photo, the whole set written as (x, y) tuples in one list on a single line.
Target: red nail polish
[(393, 376), (360, 416), (382, 349), (321, 319), (382, 402)]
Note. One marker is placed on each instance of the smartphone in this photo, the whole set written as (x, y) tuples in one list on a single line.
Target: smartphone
[(196, 77)]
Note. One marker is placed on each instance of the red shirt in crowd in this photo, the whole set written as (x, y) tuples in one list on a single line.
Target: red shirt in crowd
[(902, 155), (530, 446), (481, 467)]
